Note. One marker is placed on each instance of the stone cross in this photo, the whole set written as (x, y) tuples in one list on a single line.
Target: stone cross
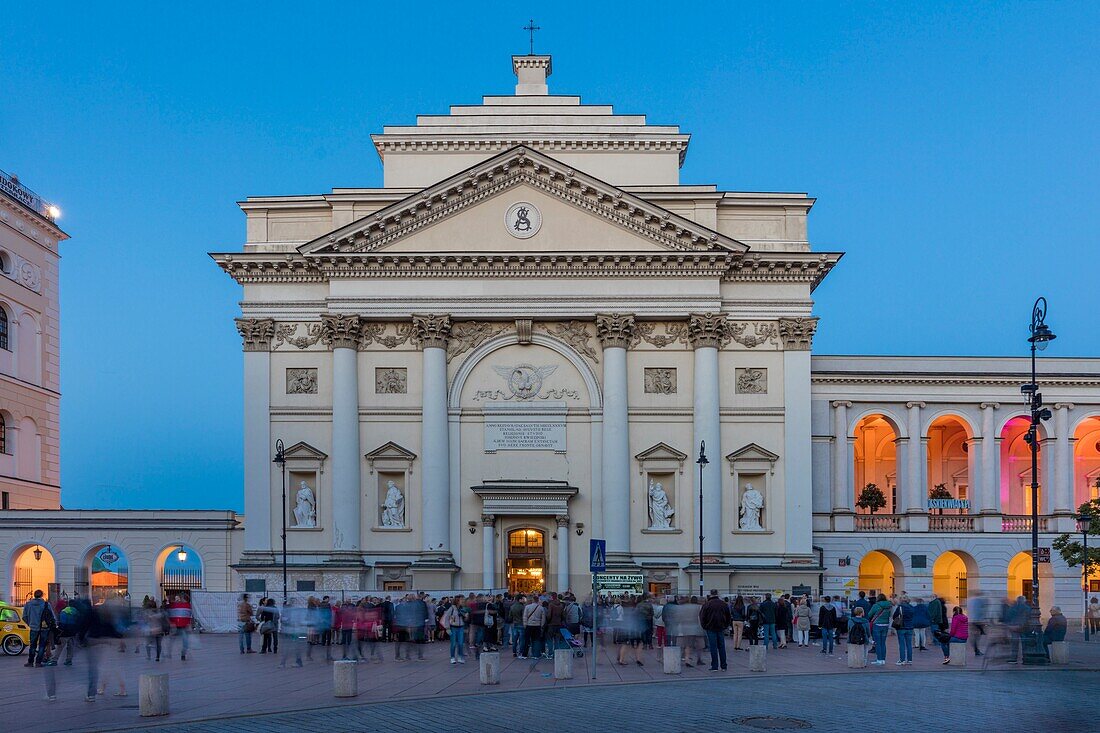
[(531, 28)]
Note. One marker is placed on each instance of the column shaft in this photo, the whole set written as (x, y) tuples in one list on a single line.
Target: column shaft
[(991, 461), (708, 428), (563, 554), (840, 457), (346, 461), (913, 490), (1063, 462), (488, 554), (435, 452), (616, 452), (260, 500)]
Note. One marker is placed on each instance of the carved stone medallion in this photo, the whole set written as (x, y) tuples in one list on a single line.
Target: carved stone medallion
[(752, 380), (523, 220), (391, 380), (301, 381)]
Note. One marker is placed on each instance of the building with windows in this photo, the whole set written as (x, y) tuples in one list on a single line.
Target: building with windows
[(30, 349), (524, 339)]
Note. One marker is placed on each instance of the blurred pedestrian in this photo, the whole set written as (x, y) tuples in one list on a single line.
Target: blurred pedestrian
[(715, 618)]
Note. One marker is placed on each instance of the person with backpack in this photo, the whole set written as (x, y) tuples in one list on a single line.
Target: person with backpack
[(39, 616), (921, 623), (879, 618), (70, 624), (859, 630), (753, 622)]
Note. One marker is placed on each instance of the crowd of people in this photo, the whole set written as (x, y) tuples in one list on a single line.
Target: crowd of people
[(533, 626)]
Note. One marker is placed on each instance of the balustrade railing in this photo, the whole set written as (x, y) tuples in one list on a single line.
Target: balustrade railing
[(1020, 523), (878, 522), (951, 523)]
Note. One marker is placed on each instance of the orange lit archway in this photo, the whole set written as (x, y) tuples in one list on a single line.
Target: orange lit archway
[(32, 569), (875, 455), (1086, 461)]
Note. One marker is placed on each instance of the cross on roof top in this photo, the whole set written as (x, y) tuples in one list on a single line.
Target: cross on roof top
[(531, 28)]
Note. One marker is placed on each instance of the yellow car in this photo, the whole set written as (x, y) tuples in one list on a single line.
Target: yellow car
[(14, 634)]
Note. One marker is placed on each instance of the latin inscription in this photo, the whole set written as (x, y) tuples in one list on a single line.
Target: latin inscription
[(525, 436)]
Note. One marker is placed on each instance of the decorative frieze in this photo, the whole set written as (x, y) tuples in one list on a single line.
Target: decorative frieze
[(574, 333), (301, 381), (614, 329), (762, 332), (391, 380), (340, 331), (432, 330), (708, 329), (256, 333), (660, 380), (751, 380), (647, 331), (286, 333), (797, 333), (471, 334)]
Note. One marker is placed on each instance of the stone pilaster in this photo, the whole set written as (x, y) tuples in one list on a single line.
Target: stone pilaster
[(797, 334), (562, 521), (488, 550), (260, 503)]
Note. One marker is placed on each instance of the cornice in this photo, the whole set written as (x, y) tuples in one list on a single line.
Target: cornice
[(811, 267), (555, 142), (259, 267), (947, 380)]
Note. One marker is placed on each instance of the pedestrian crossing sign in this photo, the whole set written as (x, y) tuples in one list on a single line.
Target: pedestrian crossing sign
[(597, 556)]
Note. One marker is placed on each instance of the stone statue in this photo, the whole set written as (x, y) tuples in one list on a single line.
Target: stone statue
[(752, 504), (393, 510), (660, 511), (305, 507)]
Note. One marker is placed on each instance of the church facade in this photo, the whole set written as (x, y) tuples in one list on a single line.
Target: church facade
[(525, 339)]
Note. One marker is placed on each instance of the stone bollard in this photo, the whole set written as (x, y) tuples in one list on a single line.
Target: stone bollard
[(857, 656), (563, 664), (758, 658), (345, 678), (153, 695), (958, 655), (673, 662), (490, 668), (1059, 652)]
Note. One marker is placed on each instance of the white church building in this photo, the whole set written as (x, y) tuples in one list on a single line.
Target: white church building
[(520, 342)]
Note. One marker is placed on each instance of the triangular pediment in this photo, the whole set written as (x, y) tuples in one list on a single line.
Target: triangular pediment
[(467, 213), (304, 451), (752, 452), (661, 452), (390, 451)]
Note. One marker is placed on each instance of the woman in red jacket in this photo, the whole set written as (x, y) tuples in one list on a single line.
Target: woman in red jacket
[(958, 632)]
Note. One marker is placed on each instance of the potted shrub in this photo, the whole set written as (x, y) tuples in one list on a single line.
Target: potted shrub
[(871, 498)]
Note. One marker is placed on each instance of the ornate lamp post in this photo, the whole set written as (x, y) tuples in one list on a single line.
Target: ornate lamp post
[(280, 460), (702, 461), (1084, 522), (1040, 336)]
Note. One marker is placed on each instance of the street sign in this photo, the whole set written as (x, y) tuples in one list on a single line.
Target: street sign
[(1044, 554), (597, 556)]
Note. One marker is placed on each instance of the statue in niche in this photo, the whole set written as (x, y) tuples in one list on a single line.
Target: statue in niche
[(752, 504), (660, 511), (393, 510), (305, 507)]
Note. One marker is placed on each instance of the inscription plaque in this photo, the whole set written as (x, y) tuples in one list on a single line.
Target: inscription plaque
[(520, 427)]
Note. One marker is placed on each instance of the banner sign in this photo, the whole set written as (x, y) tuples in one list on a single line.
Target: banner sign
[(948, 503)]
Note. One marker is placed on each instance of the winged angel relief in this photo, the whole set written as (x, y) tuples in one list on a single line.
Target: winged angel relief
[(524, 382)]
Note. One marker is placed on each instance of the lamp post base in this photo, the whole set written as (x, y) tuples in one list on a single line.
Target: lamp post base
[(1035, 653)]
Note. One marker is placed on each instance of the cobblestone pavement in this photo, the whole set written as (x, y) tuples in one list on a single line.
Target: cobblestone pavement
[(218, 682)]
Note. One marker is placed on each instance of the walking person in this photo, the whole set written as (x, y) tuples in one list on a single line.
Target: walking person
[(38, 615), (454, 621), (715, 618), (153, 625), (978, 607), (245, 624), (71, 622), (629, 633), (903, 624), (802, 624), (659, 621), (880, 626), (515, 615), (826, 621), (179, 618), (293, 624), (958, 632)]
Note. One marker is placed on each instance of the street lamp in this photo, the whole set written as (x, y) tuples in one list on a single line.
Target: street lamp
[(181, 554), (280, 460), (1040, 336), (37, 553), (702, 461), (1084, 521)]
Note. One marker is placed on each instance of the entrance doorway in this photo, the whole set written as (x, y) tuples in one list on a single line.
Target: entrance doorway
[(526, 561)]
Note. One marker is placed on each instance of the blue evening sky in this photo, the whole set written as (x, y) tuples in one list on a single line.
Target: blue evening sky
[(952, 147)]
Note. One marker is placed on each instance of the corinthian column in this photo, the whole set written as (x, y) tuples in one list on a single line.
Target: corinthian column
[(615, 333), (915, 491), (797, 337), (432, 333), (706, 333), (1063, 460), (991, 461), (256, 333), (341, 333), (842, 488)]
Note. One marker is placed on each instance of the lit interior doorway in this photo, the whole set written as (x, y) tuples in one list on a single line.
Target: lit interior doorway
[(953, 574), (526, 561), (180, 570), (878, 573), (33, 569), (108, 573)]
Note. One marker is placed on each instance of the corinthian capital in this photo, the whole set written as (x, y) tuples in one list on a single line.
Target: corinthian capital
[(341, 332), (432, 330), (708, 329), (797, 333), (256, 333), (613, 329)]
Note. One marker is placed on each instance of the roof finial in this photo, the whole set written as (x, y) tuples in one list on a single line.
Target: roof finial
[(531, 28)]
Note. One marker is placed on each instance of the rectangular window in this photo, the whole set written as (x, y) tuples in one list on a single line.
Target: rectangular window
[(920, 562), (255, 585), (307, 585), (5, 500)]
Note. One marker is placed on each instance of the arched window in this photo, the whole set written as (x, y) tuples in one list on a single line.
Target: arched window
[(3, 435), (4, 330)]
